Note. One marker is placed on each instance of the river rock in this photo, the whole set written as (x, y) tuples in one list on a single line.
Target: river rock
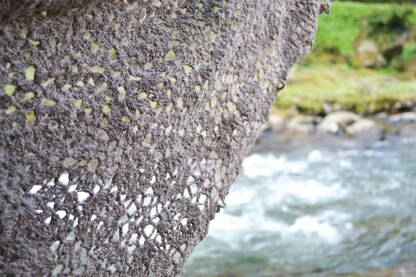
[(301, 124), (365, 130), (336, 122), (403, 118), (277, 123), (367, 54)]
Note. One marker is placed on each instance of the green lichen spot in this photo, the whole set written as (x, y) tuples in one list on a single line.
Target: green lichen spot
[(261, 73), (80, 84), (88, 110), (143, 14), (29, 95), (169, 108), (78, 103), (24, 33), (11, 109), (158, 111), (187, 68), (94, 47), (170, 56), (121, 93), (92, 165), (113, 54), (104, 122), (229, 79), (34, 42), (69, 162), (91, 82), (9, 89), (179, 102), (125, 119), (148, 66), (175, 43), (106, 109), (231, 106), (102, 88), (153, 104), (30, 118), (30, 73), (134, 78), (142, 95), (137, 113), (169, 92), (87, 35), (197, 88), (97, 69), (216, 9), (8, 65), (214, 101), (48, 102), (48, 82), (116, 74), (66, 87)]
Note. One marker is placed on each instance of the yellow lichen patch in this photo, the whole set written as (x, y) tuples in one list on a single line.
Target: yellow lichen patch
[(11, 109), (197, 88), (143, 14), (193, 46), (216, 9), (169, 107), (121, 93), (108, 98), (80, 84), (153, 104), (169, 92), (48, 82), (8, 65), (88, 110), (9, 89), (187, 68), (261, 73), (94, 47), (87, 35), (175, 43), (142, 95), (104, 122), (97, 69), (218, 85), (125, 119), (148, 66), (78, 103), (170, 56), (30, 73), (30, 118), (106, 109), (11, 75), (48, 102), (172, 79), (66, 87), (34, 42), (206, 107), (102, 87), (78, 54), (160, 85), (29, 95), (179, 102), (158, 111), (91, 82), (113, 54), (111, 17), (116, 74), (44, 13)]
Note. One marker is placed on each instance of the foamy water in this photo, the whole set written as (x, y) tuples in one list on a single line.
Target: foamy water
[(309, 210)]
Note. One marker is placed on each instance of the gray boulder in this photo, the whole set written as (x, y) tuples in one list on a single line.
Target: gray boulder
[(365, 130), (335, 123)]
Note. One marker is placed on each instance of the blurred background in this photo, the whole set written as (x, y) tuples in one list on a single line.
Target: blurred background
[(330, 187)]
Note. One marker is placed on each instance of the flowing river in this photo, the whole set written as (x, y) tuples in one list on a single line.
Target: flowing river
[(303, 210)]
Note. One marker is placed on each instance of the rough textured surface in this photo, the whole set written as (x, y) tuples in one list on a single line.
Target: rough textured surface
[(123, 124)]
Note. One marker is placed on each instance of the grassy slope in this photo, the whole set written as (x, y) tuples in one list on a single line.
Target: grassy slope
[(360, 90)]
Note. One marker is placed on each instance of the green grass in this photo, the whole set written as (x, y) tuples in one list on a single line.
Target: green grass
[(341, 28), (364, 91)]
